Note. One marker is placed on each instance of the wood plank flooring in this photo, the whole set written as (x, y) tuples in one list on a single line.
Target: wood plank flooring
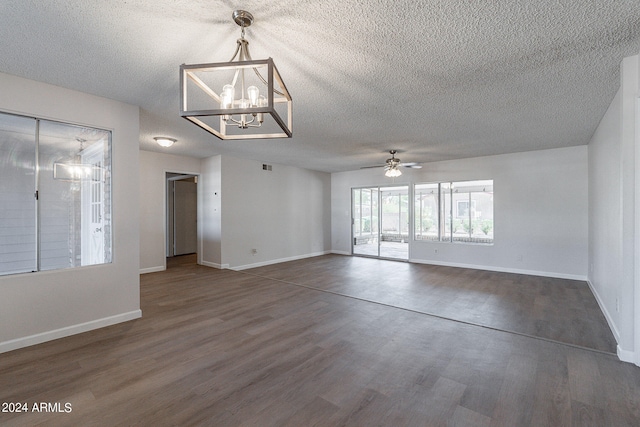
[(555, 309), (225, 348)]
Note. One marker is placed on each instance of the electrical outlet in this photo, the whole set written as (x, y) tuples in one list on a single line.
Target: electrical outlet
[(435, 251), (254, 251), (617, 305)]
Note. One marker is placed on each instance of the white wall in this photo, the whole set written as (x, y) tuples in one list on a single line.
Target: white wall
[(605, 227), (613, 216), (211, 211), (153, 169), (283, 214), (36, 307), (540, 211)]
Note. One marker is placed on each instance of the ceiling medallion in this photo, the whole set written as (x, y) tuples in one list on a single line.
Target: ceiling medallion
[(239, 99)]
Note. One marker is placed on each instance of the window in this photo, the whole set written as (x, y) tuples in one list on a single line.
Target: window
[(454, 211), (55, 195), (426, 212), (462, 208)]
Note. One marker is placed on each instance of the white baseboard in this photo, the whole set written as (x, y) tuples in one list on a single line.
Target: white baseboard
[(68, 331), (152, 269), (277, 261), (605, 312), (626, 356), (503, 269), (341, 252), (214, 265)]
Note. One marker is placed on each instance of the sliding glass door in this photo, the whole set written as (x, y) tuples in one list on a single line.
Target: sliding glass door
[(366, 232), (380, 222), (394, 222)]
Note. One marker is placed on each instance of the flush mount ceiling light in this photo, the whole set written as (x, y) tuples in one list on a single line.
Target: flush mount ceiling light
[(165, 141), (239, 99)]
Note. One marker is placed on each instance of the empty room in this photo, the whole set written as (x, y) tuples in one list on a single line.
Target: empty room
[(320, 214)]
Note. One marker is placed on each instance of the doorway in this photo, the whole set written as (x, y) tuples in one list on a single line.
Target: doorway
[(182, 214), (380, 222)]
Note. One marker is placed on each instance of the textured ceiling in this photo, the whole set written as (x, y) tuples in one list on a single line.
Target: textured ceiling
[(435, 79)]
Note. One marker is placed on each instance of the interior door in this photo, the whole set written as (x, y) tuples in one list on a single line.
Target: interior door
[(185, 216)]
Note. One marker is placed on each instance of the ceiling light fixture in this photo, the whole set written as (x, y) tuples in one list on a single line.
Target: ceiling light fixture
[(393, 171), (239, 99), (393, 164), (73, 169), (165, 141)]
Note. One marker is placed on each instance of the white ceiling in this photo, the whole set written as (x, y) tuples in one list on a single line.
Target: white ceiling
[(434, 79)]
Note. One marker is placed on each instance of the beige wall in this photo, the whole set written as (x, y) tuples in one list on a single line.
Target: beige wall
[(36, 307), (540, 211), (283, 214), (153, 169)]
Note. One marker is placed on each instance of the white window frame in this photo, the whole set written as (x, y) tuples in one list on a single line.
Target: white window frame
[(446, 232)]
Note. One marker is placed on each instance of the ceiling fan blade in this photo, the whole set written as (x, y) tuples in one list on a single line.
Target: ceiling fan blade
[(371, 167), (411, 165)]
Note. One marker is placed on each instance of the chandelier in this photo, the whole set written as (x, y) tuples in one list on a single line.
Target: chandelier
[(239, 99), (74, 169)]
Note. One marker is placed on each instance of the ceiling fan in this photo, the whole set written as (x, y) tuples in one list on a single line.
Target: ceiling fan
[(393, 164)]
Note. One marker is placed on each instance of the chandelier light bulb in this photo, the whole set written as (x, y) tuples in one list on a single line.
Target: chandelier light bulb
[(262, 102), (227, 96), (244, 103), (253, 93)]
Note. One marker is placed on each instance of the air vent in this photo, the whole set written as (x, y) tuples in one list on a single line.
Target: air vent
[(266, 167)]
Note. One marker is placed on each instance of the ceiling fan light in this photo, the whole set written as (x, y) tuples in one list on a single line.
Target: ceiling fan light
[(393, 172), (392, 166)]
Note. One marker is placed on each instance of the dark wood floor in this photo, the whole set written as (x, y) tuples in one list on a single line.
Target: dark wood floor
[(225, 348), (556, 309)]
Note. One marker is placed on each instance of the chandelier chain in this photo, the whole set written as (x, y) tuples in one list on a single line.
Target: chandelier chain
[(242, 48)]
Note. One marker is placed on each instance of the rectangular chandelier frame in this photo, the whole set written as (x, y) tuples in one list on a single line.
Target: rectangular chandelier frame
[(193, 74)]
